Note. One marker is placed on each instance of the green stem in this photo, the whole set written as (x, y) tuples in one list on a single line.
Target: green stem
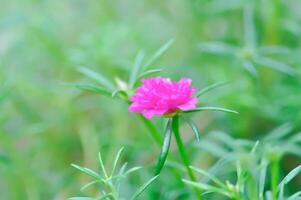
[(274, 178), (184, 157), (153, 130)]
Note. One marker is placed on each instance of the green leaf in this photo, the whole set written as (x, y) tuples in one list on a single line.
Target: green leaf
[(121, 92), (93, 88), (81, 198), (106, 196), (134, 169), (217, 48), (276, 65), (116, 160), (255, 147), (211, 109), (295, 196), (165, 147), (279, 132), (194, 128), (211, 87), (211, 177), (249, 26), (207, 188), (146, 74), (97, 77), (262, 177), (287, 179), (91, 183), (158, 53), (136, 68), (249, 67), (102, 166), (87, 171), (143, 187)]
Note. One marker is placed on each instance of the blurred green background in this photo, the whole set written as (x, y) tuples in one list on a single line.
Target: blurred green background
[(46, 124)]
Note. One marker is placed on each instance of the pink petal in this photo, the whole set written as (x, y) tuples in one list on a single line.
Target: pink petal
[(189, 105)]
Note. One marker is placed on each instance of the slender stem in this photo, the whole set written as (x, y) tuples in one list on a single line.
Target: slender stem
[(153, 130), (184, 157), (274, 178)]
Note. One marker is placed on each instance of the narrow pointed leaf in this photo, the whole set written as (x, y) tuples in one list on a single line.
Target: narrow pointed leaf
[(105, 196), (81, 198), (158, 53), (97, 77), (134, 169), (211, 177), (92, 88), (136, 68), (211, 87), (249, 67), (249, 26), (143, 188), (116, 160), (194, 128), (119, 92), (262, 177), (295, 196), (87, 171), (89, 184), (211, 109), (287, 179), (206, 187), (165, 147), (276, 65), (103, 169), (217, 48), (146, 74)]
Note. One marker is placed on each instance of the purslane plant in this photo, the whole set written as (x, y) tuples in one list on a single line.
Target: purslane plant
[(251, 178), (110, 183), (156, 96)]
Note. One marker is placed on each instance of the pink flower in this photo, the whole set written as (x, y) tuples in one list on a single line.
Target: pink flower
[(160, 96)]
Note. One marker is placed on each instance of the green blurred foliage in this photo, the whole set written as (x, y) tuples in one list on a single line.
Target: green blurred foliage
[(46, 124)]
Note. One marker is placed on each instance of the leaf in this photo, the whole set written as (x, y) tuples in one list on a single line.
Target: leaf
[(158, 53), (134, 169), (262, 177), (280, 132), (136, 68), (87, 171), (207, 188), (279, 66), (248, 65), (274, 50), (81, 198), (143, 187), (295, 196), (211, 87), (116, 160), (287, 179), (91, 183), (165, 147), (211, 109), (217, 48), (103, 169), (147, 73), (194, 128), (117, 92), (211, 177), (249, 27), (106, 196), (255, 147), (92, 88), (96, 76)]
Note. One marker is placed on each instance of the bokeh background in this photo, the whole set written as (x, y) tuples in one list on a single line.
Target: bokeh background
[(46, 124)]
